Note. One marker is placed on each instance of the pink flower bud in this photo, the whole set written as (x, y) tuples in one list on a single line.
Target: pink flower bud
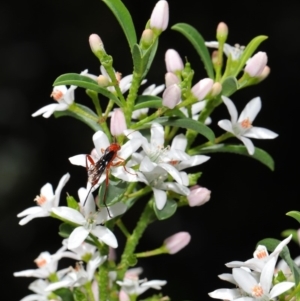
[(222, 32), (171, 96), (147, 38), (198, 196), (117, 122), (96, 43), (171, 79), (256, 64), (216, 89), (173, 61), (177, 242), (202, 88), (160, 16), (123, 296), (265, 73)]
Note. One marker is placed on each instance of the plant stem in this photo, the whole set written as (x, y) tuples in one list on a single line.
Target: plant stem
[(158, 251), (123, 228)]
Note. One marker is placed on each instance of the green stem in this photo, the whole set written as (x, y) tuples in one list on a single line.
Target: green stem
[(123, 228), (158, 251), (171, 134), (155, 115), (103, 276), (220, 61), (94, 97), (140, 192), (196, 150), (146, 218), (88, 287)]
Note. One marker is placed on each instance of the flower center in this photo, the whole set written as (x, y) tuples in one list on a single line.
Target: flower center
[(156, 151), (261, 252), (246, 124), (257, 291), (57, 95), (90, 223), (40, 199), (40, 262)]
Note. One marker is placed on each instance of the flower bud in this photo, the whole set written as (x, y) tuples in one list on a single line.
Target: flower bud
[(198, 196), (216, 89), (177, 242), (117, 122), (171, 96), (202, 88), (256, 64), (265, 73), (160, 16), (96, 43), (147, 38), (123, 296), (103, 81), (222, 32), (173, 61), (171, 79)]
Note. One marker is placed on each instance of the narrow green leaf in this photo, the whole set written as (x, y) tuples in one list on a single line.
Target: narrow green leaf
[(175, 112), (186, 123), (114, 192), (64, 293), (124, 18), (199, 44), (151, 56), (259, 154), (137, 58), (84, 114), (79, 295), (65, 230), (271, 244), (295, 215), (87, 83), (148, 101), (229, 86), (167, 211), (249, 50)]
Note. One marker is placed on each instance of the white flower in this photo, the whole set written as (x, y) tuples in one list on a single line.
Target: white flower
[(235, 51), (260, 289), (38, 287), (101, 143), (46, 201), (133, 286), (64, 97), (242, 127), (196, 108), (89, 220)]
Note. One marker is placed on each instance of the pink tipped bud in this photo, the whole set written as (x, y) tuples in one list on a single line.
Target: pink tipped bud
[(222, 32), (256, 64), (147, 38), (177, 242), (216, 89), (198, 196), (171, 79), (202, 88), (160, 16), (117, 122), (123, 296), (265, 73), (96, 43), (173, 61), (171, 96)]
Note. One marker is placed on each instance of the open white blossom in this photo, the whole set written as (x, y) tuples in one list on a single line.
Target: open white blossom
[(46, 201), (235, 51), (242, 127)]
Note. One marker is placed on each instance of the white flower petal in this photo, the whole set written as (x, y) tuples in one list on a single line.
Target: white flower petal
[(280, 288), (160, 198), (231, 108), (47, 110), (249, 145), (193, 161), (28, 218), (225, 294), (106, 236), (226, 125), (77, 237), (157, 134), (101, 142), (179, 142), (31, 210), (244, 280), (172, 171), (128, 174), (251, 110), (227, 277), (69, 214), (79, 160), (260, 133), (267, 275), (86, 196), (156, 284), (47, 191), (65, 178), (129, 148)]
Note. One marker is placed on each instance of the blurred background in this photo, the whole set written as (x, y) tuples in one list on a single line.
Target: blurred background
[(42, 40)]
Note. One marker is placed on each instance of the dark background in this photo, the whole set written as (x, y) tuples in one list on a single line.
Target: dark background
[(41, 40)]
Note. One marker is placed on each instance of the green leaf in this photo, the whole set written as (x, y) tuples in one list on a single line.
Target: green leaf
[(292, 232), (87, 83), (137, 59), (151, 55), (199, 44), (65, 230), (148, 101), (295, 215), (229, 86), (167, 211), (114, 192), (124, 18), (271, 244), (249, 50), (186, 123), (259, 154), (72, 203), (79, 295), (64, 293), (82, 113)]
